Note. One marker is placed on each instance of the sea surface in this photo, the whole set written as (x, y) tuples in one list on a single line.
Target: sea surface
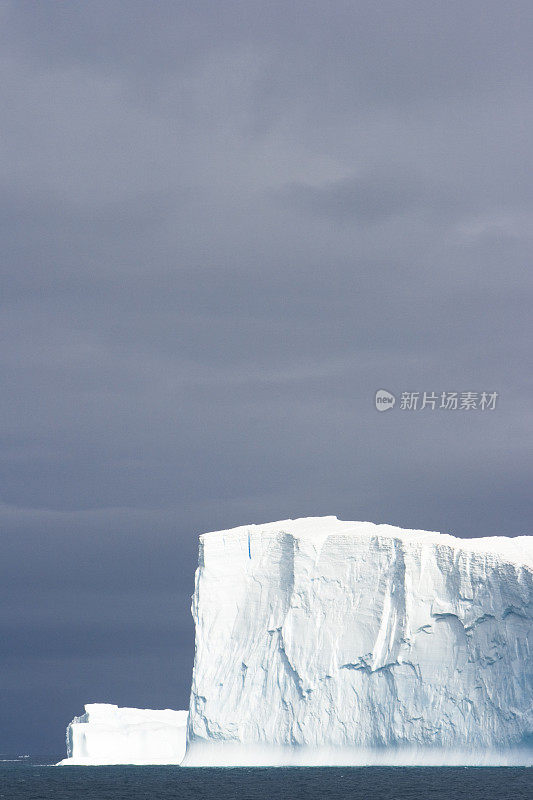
[(34, 779)]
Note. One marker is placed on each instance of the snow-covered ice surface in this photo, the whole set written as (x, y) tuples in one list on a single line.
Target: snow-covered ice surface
[(320, 641), (107, 734)]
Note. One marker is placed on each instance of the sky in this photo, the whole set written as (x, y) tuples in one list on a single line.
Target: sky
[(224, 226)]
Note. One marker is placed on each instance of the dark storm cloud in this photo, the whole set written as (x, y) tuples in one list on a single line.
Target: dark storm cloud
[(224, 226)]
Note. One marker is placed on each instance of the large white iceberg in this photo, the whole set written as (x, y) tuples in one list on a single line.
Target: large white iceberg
[(107, 734), (323, 641)]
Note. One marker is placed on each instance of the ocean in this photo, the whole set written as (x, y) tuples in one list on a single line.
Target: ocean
[(33, 779)]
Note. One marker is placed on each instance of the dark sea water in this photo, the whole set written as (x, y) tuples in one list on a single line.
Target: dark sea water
[(31, 780)]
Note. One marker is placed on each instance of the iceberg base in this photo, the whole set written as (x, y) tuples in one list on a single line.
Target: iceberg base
[(226, 754)]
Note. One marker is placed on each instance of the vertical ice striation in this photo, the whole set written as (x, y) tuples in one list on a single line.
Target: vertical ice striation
[(320, 640)]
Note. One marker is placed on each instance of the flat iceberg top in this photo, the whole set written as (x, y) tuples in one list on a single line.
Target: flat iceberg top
[(109, 714), (518, 549)]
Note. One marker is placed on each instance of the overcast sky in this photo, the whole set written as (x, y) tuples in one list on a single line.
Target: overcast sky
[(224, 226)]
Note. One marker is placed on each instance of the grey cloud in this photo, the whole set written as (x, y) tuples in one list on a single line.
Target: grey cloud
[(372, 198)]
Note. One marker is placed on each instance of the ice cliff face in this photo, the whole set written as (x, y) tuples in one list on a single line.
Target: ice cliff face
[(327, 637), (107, 734)]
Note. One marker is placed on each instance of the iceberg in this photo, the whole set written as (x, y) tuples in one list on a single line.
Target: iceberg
[(107, 734), (320, 641)]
